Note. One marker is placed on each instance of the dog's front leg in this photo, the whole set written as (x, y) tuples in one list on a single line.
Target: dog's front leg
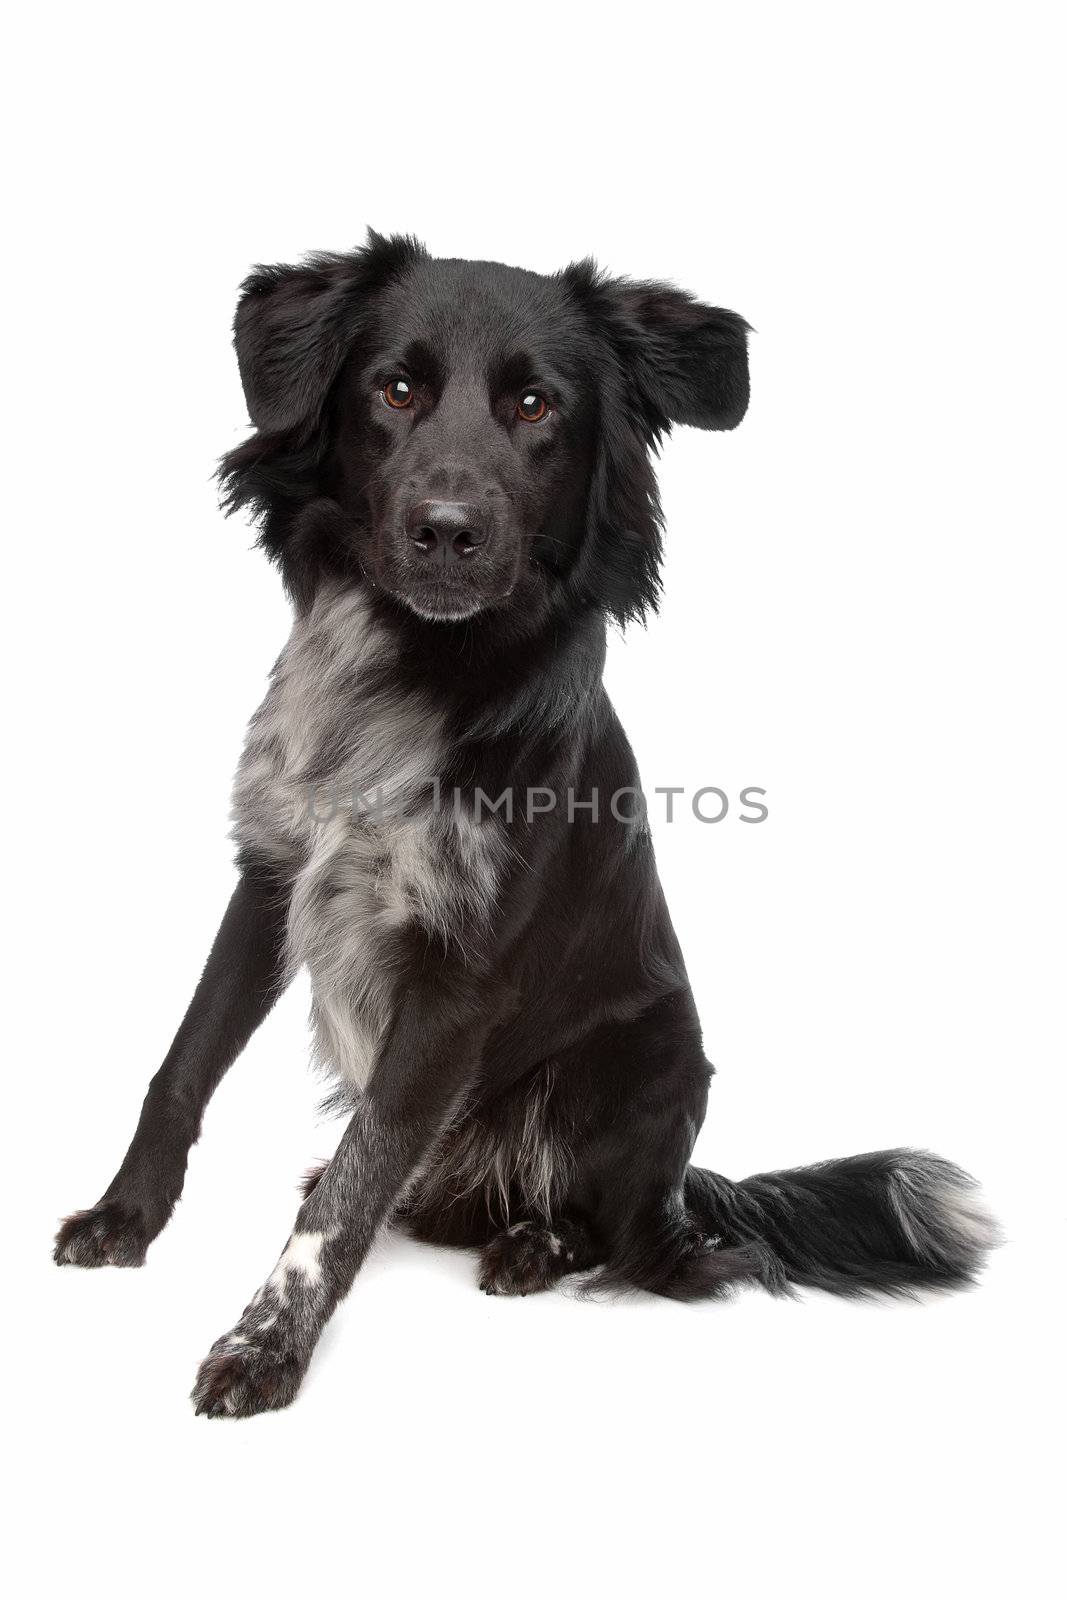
[(428, 1056), (243, 977)]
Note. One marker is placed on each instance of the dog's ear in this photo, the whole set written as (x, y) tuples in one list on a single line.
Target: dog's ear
[(295, 325), (689, 361), (669, 359)]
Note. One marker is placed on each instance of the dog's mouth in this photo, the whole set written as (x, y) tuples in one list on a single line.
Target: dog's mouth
[(441, 602), (440, 596), (449, 590)]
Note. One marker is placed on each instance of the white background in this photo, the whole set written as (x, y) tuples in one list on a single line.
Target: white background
[(864, 615)]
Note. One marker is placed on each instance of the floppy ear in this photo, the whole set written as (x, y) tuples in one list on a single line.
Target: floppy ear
[(690, 360), (671, 359), (294, 326), (687, 361)]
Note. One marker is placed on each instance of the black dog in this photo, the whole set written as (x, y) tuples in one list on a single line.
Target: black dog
[(451, 466)]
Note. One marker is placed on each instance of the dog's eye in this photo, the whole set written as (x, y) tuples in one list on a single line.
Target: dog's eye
[(532, 407), (397, 393)]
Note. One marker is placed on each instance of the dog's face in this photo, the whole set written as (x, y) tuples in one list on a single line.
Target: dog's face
[(463, 443), (471, 438)]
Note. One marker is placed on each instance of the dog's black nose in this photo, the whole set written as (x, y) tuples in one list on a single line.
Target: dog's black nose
[(447, 530)]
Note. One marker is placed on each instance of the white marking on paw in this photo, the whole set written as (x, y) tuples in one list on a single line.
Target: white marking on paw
[(301, 1255)]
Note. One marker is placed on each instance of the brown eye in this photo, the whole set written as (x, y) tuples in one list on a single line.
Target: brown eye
[(532, 407), (397, 393)]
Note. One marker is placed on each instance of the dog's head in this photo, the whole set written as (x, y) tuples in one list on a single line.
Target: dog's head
[(468, 437)]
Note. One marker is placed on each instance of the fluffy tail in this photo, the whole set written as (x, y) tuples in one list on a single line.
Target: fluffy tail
[(890, 1222)]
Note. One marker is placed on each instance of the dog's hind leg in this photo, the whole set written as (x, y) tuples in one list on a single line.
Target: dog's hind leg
[(530, 1256), (891, 1220), (242, 979)]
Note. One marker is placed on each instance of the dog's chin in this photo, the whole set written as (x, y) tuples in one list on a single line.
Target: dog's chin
[(443, 602), (443, 608)]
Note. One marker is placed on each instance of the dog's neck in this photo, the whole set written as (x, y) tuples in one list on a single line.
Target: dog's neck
[(496, 672)]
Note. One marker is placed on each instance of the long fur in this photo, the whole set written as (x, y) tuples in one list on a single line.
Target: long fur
[(890, 1222), (498, 992)]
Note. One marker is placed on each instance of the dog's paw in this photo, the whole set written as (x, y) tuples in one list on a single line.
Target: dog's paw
[(107, 1235), (525, 1259), (242, 1376)]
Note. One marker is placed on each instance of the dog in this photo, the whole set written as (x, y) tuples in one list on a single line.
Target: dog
[(451, 464)]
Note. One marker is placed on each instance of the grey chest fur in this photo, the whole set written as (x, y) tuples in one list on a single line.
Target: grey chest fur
[(335, 791)]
